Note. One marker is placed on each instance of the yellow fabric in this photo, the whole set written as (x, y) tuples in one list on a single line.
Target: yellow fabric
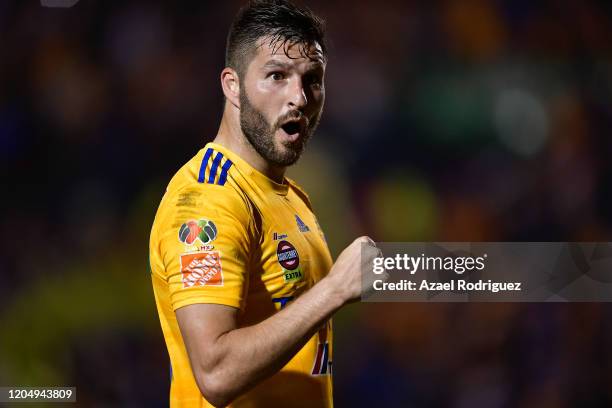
[(259, 258)]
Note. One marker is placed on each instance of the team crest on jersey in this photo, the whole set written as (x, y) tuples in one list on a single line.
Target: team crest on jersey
[(301, 226), (201, 269), (202, 230), (289, 259)]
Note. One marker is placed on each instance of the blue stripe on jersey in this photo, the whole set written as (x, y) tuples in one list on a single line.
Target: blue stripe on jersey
[(213, 169), (223, 177), (325, 358), (204, 164)]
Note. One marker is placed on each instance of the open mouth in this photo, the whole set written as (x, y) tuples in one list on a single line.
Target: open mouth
[(291, 128)]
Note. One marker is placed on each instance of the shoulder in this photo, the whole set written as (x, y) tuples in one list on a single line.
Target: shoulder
[(207, 167), (209, 199), (187, 198), (206, 182)]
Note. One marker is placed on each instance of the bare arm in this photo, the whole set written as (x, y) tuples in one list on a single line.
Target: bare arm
[(227, 360)]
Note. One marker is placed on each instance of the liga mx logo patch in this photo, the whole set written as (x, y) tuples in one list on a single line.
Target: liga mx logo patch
[(192, 230), (201, 269)]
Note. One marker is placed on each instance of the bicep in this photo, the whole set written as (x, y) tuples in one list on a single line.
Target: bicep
[(201, 326)]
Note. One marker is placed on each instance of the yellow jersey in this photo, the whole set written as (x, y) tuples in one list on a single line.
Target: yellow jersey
[(225, 233)]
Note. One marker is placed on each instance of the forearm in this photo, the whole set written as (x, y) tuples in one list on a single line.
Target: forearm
[(243, 357)]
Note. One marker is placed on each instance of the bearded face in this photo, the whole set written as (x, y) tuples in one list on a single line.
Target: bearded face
[(281, 99), (280, 143)]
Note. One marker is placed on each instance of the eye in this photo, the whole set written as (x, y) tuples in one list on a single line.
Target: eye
[(314, 81), (277, 76)]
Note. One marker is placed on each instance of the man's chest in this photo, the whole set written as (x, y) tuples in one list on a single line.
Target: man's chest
[(294, 254)]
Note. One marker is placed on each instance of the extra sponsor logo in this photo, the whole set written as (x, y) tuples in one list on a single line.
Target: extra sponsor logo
[(193, 230), (201, 269), (293, 276)]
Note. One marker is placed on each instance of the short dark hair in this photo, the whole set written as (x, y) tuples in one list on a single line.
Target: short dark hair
[(282, 21)]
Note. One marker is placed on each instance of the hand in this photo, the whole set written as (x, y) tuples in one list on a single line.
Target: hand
[(353, 269)]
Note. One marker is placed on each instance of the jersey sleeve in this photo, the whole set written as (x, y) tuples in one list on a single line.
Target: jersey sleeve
[(204, 240)]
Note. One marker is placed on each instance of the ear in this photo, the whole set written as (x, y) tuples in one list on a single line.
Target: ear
[(231, 86)]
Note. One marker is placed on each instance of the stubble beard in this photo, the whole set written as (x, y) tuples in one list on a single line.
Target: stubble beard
[(260, 134)]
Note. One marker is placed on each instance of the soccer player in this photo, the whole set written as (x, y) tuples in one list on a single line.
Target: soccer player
[(243, 279)]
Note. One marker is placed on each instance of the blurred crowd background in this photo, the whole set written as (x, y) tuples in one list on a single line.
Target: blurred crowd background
[(453, 120)]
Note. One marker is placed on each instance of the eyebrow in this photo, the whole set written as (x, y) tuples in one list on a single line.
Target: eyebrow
[(315, 65), (276, 64)]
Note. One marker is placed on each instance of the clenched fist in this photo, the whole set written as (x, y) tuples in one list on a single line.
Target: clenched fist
[(346, 274)]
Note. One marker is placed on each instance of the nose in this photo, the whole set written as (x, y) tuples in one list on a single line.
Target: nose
[(297, 97)]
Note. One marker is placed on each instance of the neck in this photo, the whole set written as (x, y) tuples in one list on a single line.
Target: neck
[(230, 136)]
